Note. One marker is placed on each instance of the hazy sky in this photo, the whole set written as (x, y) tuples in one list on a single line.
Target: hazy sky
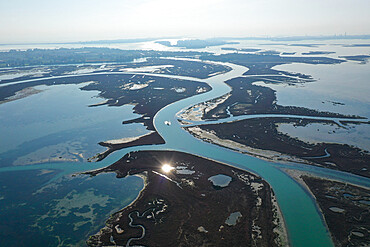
[(77, 20)]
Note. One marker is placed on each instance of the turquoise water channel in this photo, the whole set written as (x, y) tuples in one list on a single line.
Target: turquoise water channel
[(304, 223)]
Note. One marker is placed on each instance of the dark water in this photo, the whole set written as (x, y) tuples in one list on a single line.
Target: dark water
[(66, 211), (47, 207)]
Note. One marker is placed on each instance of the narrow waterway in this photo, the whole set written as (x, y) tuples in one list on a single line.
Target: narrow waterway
[(254, 116), (304, 223)]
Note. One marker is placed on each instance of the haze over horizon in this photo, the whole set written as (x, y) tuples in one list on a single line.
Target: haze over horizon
[(65, 21)]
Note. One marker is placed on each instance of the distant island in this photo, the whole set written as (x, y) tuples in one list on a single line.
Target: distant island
[(17, 58), (196, 43), (318, 53)]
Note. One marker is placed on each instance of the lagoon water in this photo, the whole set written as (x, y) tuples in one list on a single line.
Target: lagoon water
[(341, 88), (57, 121), (346, 83), (353, 134), (70, 127), (55, 127), (65, 212), (220, 180)]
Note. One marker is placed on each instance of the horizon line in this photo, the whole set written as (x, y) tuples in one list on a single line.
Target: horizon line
[(265, 37)]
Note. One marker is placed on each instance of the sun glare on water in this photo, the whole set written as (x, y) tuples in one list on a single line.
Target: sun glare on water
[(167, 168)]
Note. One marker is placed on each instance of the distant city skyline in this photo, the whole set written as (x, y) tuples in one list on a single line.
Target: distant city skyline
[(67, 21)]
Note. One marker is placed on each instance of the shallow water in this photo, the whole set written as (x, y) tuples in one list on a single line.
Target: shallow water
[(233, 218), (61, 213), (346, 83), (353, 134), (58, 123), (220, 180)]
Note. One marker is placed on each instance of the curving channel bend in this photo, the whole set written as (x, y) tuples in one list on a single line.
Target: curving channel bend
[(304, 223), (128, 244)]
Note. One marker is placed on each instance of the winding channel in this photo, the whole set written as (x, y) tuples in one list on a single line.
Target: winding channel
[(304, 222), (128, 244), (254, 116)]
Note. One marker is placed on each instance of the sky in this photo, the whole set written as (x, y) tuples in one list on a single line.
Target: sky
[(23, 21)]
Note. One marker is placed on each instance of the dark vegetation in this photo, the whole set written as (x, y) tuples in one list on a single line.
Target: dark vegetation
[(240, 49), (151, 139), (15, 58), (171, 67), (262, 134), (317, 52), (357, 45), (352, 226), (148, 100), (175, 206), (267, 60), (361, 58), (298, 45), (247, 98), (195, 69), (268, 52)]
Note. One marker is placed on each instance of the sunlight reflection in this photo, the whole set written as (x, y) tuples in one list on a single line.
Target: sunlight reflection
[(167, 168)]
